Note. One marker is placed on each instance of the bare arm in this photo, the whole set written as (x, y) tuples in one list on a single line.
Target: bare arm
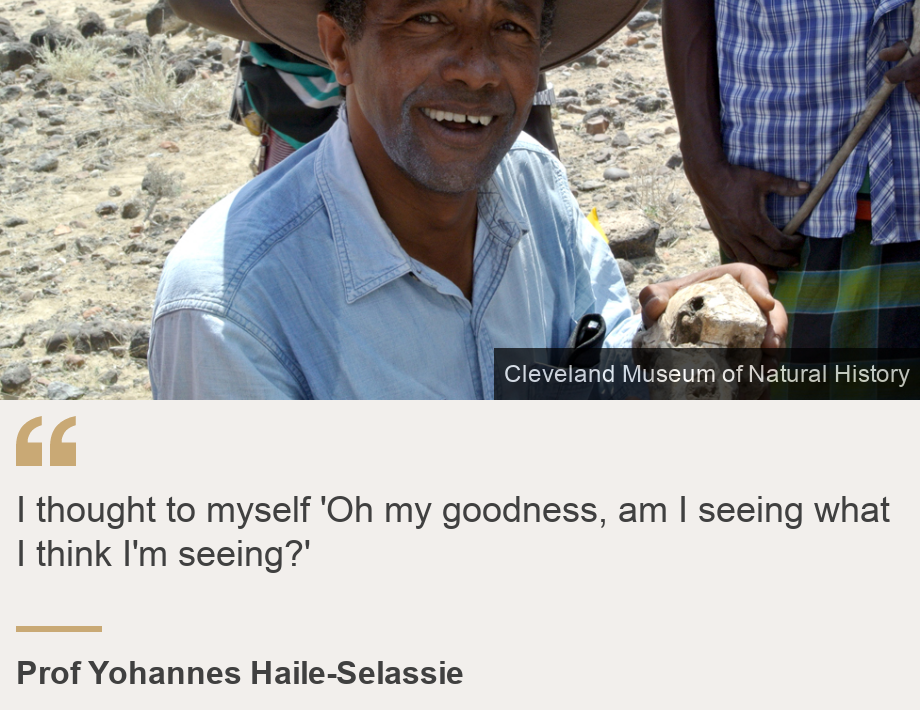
[(217, 15), (732, 197)]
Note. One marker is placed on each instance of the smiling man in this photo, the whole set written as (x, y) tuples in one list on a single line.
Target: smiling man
[(388, 258)]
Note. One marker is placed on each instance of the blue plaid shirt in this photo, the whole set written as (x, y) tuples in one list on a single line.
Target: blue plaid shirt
[(795, 76)]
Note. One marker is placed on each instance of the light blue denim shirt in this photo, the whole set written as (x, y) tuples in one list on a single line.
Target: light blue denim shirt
[(294, 287)]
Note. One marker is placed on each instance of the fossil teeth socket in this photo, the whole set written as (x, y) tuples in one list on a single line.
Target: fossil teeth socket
[(456, 117)]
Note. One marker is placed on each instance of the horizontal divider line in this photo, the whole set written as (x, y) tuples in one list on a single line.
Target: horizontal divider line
[(59, 629)]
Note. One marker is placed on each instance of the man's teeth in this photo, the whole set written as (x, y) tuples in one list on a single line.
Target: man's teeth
[(456, 117)]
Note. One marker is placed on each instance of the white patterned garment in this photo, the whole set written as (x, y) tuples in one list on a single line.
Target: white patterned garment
[(795, 76)]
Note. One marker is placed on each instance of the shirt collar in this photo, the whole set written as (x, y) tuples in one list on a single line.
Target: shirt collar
[(369, 254)]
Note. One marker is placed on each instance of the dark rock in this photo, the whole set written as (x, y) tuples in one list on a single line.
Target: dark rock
[(615, 174), (611, 114), (61, 391), (137, 45), (19, 122), (621, 140), (10, 93), (627, 270), (184, 71), (162, 20), (631, 235), (7, 33), (15, 377), (592, 97), (114, 191), (46, 163), (668, 237), (49, 111), (602, 156), (14, 221), (567, 93), (649, 104), (39, 80), (109, 377), (675, 161), (12, 337), (86, 137), (140, 342), (131, 209), (104, 209), (642, 21), (63, 338), (213, 49), (55, 36), (84, 245), (57, 88), (91, 25), (102, 336), (14, 55), (588, 60), (90, 337), (567, 101)]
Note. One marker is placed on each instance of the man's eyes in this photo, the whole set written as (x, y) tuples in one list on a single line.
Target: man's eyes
[(512, 27), (429, 18)]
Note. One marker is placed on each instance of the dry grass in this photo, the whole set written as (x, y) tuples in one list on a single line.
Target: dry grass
[(152, 92), (71, 63), (657, 191), (159, 184)]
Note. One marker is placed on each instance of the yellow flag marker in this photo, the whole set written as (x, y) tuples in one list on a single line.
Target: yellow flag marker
[(595, 222)]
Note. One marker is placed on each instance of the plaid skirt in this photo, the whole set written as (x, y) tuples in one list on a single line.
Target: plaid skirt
[(846, 293)]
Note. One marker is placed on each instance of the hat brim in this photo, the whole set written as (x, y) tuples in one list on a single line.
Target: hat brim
[(581, 25)]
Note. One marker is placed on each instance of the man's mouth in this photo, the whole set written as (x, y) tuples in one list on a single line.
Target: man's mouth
[(457, 118)]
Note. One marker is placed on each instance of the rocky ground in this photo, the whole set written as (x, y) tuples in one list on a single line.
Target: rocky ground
[(117, 140)]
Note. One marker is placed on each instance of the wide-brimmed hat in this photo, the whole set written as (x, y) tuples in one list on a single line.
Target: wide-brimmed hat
[(581, 25)]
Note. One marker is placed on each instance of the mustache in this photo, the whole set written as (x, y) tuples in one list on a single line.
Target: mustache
[(487, 100)]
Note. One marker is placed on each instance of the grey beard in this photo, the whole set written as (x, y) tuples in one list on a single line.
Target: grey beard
[(410, 158)]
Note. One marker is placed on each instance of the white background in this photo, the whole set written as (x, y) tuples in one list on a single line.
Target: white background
[(718, 615)]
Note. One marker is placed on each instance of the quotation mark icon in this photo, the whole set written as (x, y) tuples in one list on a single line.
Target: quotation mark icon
[(29, 453)]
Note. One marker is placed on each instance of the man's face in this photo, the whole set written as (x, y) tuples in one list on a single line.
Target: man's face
[(447, 85)]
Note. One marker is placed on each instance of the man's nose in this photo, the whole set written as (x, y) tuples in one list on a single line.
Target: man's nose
[(472, 61)]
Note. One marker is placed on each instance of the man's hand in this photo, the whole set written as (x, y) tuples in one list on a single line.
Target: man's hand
[(734, 200), (907, 73), (654, 298)]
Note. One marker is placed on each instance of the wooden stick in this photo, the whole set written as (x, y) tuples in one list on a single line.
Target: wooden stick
[(871, 111)]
